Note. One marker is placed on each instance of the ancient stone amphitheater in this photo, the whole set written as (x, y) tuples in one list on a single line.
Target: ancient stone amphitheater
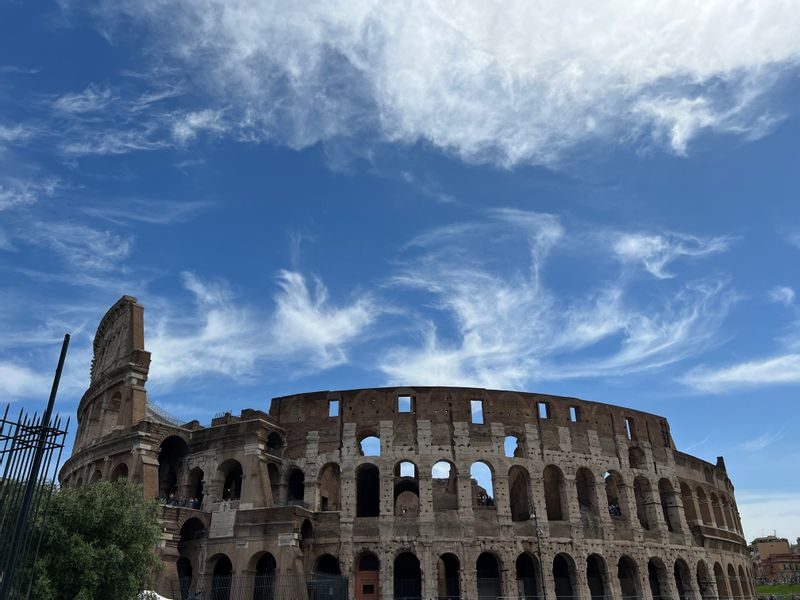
[(411, 492)]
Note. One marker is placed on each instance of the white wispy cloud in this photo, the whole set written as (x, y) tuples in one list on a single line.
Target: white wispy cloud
[(782, 369), (782, 294), (155, 212), (16, 191), (656, 251), (305, 331), (512, 329), (92, 99), (19, 381), (762, 441), (188, 125), (84, 248), (509, 84)]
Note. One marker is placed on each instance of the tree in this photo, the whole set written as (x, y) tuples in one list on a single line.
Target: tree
[(98, 541)]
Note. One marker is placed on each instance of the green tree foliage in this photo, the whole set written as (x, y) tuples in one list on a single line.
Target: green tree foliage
[(98, 541)]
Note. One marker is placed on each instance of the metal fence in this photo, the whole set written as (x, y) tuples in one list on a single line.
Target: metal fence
[(260, 587)]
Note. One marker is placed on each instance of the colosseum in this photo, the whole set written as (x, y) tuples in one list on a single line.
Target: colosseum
[(410, 492)]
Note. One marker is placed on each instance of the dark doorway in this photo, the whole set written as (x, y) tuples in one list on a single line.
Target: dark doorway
[(528, 585), (368, 491), (407, 577), (447, 577), (264, 586), (488, 570)]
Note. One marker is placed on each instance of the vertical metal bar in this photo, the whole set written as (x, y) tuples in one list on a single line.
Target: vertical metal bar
[(22, 522)]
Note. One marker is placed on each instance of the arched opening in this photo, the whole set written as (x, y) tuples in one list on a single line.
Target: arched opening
[(702, 502), (704, 582), (615, 494), (733, 581), (274, 474), (519, 484), (368, 491), (636, 458), (628, 576), (688, 502), (669, 506), (327, 581), (274, 444), (296, 489), (597, 577), (193, 529), (113, 415), (512, 448), (195, 486), (171, 455), (221, 578), (231, 475), (96, 476), (683, 579), (407, 576), (718, 520), (264, 585), (726, 513), (722, 584), (744, 582), (406, 490), (488, 572), (587, 496), (657, 576), (330, 488), (641, 492), (528, 577), (445, 486), (564, 577), (447, 577), (370, 446), (554, 496), (367, 577), (482, 484), (79, 482), (119, 472), (306, 534), (328, 565), (184, 567)]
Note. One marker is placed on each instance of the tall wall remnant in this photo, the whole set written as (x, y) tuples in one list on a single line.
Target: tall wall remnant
[(414, 492)]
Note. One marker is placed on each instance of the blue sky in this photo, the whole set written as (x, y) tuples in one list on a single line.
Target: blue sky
[(598, 204)]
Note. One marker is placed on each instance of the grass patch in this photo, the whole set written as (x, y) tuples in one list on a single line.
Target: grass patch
[(781, 588)]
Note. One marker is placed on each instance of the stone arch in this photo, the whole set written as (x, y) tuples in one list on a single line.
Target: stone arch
[(722, 584), (727, 513), (367, 576), (96, 476), (744, 582), (529, 576), (587, 494), (119, 472), (275, 444), (488, 569), (512, 447), (702, 502), (306, 534), (733, 582), (369, 445), (636, 458), (221, 576), (296, 487), (657, 576), (406, 489), (597, 578), (231, 475), (688, 502), (719, 521), (193, 529), (368, 490), (265, 566), (444, 481), (327, 564), (628, 576), (195, 485), (641, 492), (112, 415), (683, 579), (330, 487), (274, 474), (554, 494), (407, 576), (482, 483), (519, 485), (448, 576), (704, 582), (171, 456), (616, 496), (669, 505), (565, 577)]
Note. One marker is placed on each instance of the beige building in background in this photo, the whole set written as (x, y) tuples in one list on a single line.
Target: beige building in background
[(411, 492)]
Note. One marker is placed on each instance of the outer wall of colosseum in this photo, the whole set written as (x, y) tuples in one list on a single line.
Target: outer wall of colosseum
[(581, 500)]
